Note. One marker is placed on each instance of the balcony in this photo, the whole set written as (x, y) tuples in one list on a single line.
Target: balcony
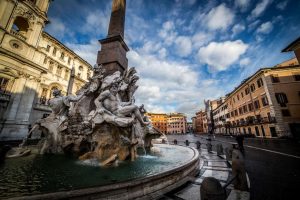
[(17, 34)]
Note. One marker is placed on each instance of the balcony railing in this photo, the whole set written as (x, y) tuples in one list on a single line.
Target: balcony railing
[(17, 34), (251, 121)]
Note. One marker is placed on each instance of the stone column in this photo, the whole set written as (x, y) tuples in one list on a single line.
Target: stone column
[(17, 91)]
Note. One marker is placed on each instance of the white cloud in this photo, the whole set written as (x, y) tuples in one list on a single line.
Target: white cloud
[(189, 2), (237, 29), (260, 8), (165, 86), (282, 5), (57, 27), (200, 39), (245, 61), (96, 23), (86, 51), (168, 32), (253, 25), (219, 17), (243, 4), (265, 28), (183, 46), (220, 56)]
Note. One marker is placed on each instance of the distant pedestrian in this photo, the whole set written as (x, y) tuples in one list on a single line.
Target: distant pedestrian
[(29, 128), (240, 140)]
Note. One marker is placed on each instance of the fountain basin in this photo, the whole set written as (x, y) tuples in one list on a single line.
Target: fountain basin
[(148, 177)]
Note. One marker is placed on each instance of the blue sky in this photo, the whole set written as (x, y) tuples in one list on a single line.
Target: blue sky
[(185, 51)]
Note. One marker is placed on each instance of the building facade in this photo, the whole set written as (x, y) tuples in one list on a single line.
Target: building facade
[(159, 121), (211, 105), (201, 126), (173, 123), (32, 64), (176, 123), (221, 118), (267, 104)]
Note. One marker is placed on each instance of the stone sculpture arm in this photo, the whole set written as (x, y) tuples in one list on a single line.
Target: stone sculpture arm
[(98, 102)]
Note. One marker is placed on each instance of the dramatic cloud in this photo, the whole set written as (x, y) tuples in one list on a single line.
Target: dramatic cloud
[(260, 8), (220, 56), (168, 32), (243, 4), (183, 46), (219, 17), (265, 28), (237, 29), (185, 51), (164, 85), (93, 25), (87, 51), (282, 5), (57, 27), (200, 39), (245, 61)]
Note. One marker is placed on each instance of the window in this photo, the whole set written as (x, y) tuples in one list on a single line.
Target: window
[(62, 55), (250, 106), (264, 101), (69, 60), (242, 94), (241, 110), (281, 99), (20, 26), (259, 82), (245, 108), (275, 79), (54, 51), (252, 87), (238, 97), (3, 84), (236, 113), (67, 74), (297, 77), (80, 68), (256, 104), (247, 91), (58, 71), (48, 48), (285, 113), (45, 60), (51, 66)]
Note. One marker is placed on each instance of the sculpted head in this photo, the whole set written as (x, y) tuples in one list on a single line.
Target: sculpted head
[(56, 92), (114, 88)]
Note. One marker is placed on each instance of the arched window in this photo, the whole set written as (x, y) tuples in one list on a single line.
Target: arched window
[(20, 25)]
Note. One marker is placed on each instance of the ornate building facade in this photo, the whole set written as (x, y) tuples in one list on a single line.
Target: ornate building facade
[(32, 64), (200, 123), (173, 123), (267, 104)]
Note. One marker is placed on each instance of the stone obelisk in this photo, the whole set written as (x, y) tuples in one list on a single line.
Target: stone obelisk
[(113, 48)]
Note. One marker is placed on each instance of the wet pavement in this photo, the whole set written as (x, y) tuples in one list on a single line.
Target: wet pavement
[(273, 166)]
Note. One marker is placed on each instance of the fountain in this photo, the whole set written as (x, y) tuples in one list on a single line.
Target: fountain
[(101, 130)]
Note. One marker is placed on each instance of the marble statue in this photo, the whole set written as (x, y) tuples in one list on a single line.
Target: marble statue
[(101, 121)]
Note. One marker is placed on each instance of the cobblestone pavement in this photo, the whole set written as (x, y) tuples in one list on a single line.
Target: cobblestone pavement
[(211, 165), (272, 175)]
